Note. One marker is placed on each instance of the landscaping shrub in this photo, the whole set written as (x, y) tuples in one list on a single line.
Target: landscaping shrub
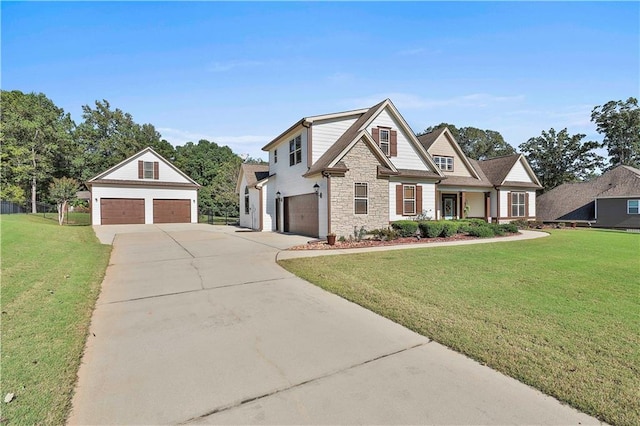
[(431, 228), (510, 228), (449, 229), (385, 234), (521, 223), (482, 231), (406, 228), (497, 229)]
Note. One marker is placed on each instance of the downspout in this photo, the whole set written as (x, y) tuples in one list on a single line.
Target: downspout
[(497, 203)]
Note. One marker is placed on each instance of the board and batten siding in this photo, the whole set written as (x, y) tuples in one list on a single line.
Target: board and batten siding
[(326, 133), (443, 147), (148, 194), (408, 157), (518, 173), (129, 171)]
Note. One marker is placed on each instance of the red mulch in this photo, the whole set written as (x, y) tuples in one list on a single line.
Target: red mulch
[(322, 245)]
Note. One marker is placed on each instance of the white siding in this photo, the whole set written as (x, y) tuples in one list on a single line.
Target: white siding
[(326, 133), (428, 200), (148, 194), (532, 203), (245, 219), (504, 203), (518, 173), (289, 178), (129, 171), (408, 157)]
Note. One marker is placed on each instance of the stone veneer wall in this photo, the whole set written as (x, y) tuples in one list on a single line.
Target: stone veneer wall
[(362, 165)]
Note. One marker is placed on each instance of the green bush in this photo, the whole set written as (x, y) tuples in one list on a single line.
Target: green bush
[(385, 234), (497, 229), (431, 228), (510, 228), (406, 228), (482, 231), (521, 223), (449, 229)]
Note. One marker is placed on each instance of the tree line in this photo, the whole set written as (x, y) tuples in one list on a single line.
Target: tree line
[(558, 157), (41, 144)]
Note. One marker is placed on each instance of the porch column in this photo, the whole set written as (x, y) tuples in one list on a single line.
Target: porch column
[(462, 201), (487, 206)]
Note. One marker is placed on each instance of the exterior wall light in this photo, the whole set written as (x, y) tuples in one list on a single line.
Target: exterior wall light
[(316, 188)]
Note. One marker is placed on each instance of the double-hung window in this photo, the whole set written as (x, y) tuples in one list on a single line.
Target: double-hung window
[(384, 136), (518, 204), (360, 198), (633, 206), (444, 163), (148, 169), (409, 200), (295, 150)]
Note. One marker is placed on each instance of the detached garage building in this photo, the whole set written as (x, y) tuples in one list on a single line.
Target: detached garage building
[(145, 188)]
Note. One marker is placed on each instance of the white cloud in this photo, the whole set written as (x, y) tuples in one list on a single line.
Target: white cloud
[(229, 65)]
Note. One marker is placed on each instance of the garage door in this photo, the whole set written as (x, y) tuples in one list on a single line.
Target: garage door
[(171, 211), (301, 214), (117, 211)]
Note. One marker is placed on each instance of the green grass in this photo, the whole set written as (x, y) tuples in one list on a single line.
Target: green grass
[(51, 278), (560, 313), (71, 218)]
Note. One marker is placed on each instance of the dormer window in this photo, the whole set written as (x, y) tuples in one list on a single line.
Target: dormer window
[(295, 150), (384, 141), (443, 162)]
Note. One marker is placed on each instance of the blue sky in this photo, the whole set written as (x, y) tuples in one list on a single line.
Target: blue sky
[(240, 73)]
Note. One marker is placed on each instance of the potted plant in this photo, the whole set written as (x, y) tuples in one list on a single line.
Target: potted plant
[(331, 238)]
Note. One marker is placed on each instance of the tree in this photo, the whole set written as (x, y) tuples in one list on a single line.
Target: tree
[(214, 167), (557, 158), (108, 136), (36, 143), (620, 123), (476, 143), (61, 191)]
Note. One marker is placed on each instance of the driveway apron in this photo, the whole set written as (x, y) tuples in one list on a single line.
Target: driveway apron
[(198, 324)]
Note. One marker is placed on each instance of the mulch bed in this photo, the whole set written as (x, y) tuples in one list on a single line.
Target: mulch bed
[(322, 244)]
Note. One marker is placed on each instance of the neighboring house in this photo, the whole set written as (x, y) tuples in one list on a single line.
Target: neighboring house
[(336, 173), (144, 188), (611, 200), (252, 204)]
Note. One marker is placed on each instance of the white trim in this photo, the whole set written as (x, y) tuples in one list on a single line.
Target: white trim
[(334, 115), (355, 198), (637, 207), (372, 144)]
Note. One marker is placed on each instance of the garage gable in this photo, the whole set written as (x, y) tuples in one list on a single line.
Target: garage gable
[(145, 166)]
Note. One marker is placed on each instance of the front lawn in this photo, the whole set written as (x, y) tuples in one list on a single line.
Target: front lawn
[(51, 278), (560, 313)]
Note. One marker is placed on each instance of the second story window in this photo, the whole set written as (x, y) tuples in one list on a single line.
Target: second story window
[(445, 163), (295, 150), (384, 141)]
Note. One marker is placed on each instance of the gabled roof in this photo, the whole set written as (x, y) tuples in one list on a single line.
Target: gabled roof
[(358, 131), (100, 177), (253, 173), (305, 121), (575, 201), (427, 140), (497, 169)]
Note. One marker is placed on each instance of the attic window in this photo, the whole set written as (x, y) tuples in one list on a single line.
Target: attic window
[(148, 169), (444, 163)]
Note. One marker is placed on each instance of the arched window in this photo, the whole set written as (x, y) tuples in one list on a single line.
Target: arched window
[(246, 200)]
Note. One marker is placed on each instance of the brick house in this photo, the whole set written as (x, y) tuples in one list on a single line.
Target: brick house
[(334, 173)]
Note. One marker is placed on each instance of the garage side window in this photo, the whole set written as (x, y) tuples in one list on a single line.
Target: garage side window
[(148, 170), (246, 200)]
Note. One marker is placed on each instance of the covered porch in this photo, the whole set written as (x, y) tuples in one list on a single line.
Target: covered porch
[(463, 203)]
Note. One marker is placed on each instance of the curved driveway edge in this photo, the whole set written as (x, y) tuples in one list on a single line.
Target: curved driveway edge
[(198, 324), (524, 235)]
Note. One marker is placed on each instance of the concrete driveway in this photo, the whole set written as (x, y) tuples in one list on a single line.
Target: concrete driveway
[(197, 324)]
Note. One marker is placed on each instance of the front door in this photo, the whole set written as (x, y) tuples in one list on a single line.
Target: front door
[(449, 210)]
